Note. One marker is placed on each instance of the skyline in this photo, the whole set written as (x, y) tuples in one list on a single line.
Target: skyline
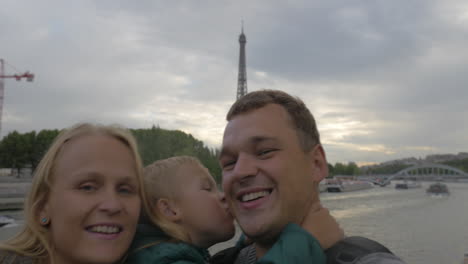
[(384, 80)]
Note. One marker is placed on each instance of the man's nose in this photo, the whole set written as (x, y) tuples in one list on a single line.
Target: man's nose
[(245, 167)]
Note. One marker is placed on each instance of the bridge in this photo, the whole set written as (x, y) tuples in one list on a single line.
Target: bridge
[(424, 171), (429, 172)]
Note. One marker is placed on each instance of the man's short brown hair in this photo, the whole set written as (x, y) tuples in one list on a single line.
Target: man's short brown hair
[(302, 120)]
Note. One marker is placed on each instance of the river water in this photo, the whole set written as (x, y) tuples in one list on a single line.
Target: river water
[(419, 228)]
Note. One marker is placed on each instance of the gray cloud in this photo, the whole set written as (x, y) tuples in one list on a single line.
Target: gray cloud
[(385, 79)]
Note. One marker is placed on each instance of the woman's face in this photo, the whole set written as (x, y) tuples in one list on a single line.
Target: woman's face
[(94, 201)]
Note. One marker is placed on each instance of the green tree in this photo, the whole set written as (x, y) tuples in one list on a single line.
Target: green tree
[(42, 143), (157, 143), (331, 170), (461, 164), (13, 151), (20, 150)]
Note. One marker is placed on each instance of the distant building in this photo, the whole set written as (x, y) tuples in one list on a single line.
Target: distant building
[(437, 158)]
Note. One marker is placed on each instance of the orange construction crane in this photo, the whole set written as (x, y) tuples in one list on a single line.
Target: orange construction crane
[(29, 77)]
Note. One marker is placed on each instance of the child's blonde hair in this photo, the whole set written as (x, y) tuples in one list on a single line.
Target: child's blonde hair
[(162, 180)]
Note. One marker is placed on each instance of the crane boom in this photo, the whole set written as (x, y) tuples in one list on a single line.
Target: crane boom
[(27, 75)]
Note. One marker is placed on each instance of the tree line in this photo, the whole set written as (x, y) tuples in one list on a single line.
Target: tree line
[(351, 168), (461, 164), (21, 150)]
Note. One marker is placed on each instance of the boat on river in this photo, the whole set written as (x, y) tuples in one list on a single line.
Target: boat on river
[(408, 185), (336, 185), (438, 188), (6, 220), (323, 186)]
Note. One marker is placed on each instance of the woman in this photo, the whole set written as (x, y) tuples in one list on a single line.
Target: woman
[(85, 200)]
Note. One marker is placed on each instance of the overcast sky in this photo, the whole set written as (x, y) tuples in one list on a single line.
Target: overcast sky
[(384, 79)]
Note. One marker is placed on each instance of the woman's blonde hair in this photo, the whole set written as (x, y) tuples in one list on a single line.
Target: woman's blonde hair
[(162, 180), (34, 241)]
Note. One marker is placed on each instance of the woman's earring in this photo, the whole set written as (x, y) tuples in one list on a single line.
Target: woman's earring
[(44, 220)]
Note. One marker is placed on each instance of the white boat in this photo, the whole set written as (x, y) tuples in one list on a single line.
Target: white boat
[(6, 220), (335, 185), (323, 186), (408, 185)]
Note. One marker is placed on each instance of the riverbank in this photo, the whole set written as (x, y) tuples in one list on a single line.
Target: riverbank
[(418, 227), (12, 193), (8, 204)]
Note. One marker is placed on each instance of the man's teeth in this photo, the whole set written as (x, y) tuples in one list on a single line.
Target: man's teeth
[(105, 229), (253, 196)]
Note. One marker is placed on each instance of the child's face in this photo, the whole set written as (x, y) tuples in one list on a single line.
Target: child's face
[(203, 208)]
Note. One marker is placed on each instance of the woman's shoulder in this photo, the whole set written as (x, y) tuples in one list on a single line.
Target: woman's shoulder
[(10, 257)]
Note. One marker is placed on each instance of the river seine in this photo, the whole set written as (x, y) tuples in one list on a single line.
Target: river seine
[(419, 228)]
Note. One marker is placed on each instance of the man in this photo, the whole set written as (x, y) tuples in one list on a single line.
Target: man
[(272, 163)]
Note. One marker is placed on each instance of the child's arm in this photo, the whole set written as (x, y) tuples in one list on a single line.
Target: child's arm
[(305, 245), (295, 246), (322, 226)]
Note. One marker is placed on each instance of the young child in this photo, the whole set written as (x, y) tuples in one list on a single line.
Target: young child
[(188, 214)]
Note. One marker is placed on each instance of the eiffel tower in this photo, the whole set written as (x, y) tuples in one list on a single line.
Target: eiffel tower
[(242, 77)]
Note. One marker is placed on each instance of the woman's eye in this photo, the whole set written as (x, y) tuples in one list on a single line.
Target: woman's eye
[(87, 187), (126, 190)]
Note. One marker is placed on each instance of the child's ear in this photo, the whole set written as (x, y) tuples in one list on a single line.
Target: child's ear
[(169, 209)]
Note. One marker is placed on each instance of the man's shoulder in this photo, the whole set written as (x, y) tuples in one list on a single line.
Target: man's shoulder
[(380, 258), (360, 250), (356, 250)]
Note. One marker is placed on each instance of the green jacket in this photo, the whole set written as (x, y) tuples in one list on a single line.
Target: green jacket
[(293, 246), (161, 251)]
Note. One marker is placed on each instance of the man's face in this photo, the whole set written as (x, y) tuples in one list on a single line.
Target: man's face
[(267, 177)]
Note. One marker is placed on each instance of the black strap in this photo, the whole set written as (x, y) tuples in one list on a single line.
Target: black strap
[(347, 251), (351, 249), (226, 256)]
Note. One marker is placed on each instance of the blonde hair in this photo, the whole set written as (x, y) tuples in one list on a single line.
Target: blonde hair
[(34, 241), (162, 180)]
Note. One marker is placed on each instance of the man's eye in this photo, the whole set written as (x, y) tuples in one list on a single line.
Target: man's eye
[(228, 165), (265, 152)]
